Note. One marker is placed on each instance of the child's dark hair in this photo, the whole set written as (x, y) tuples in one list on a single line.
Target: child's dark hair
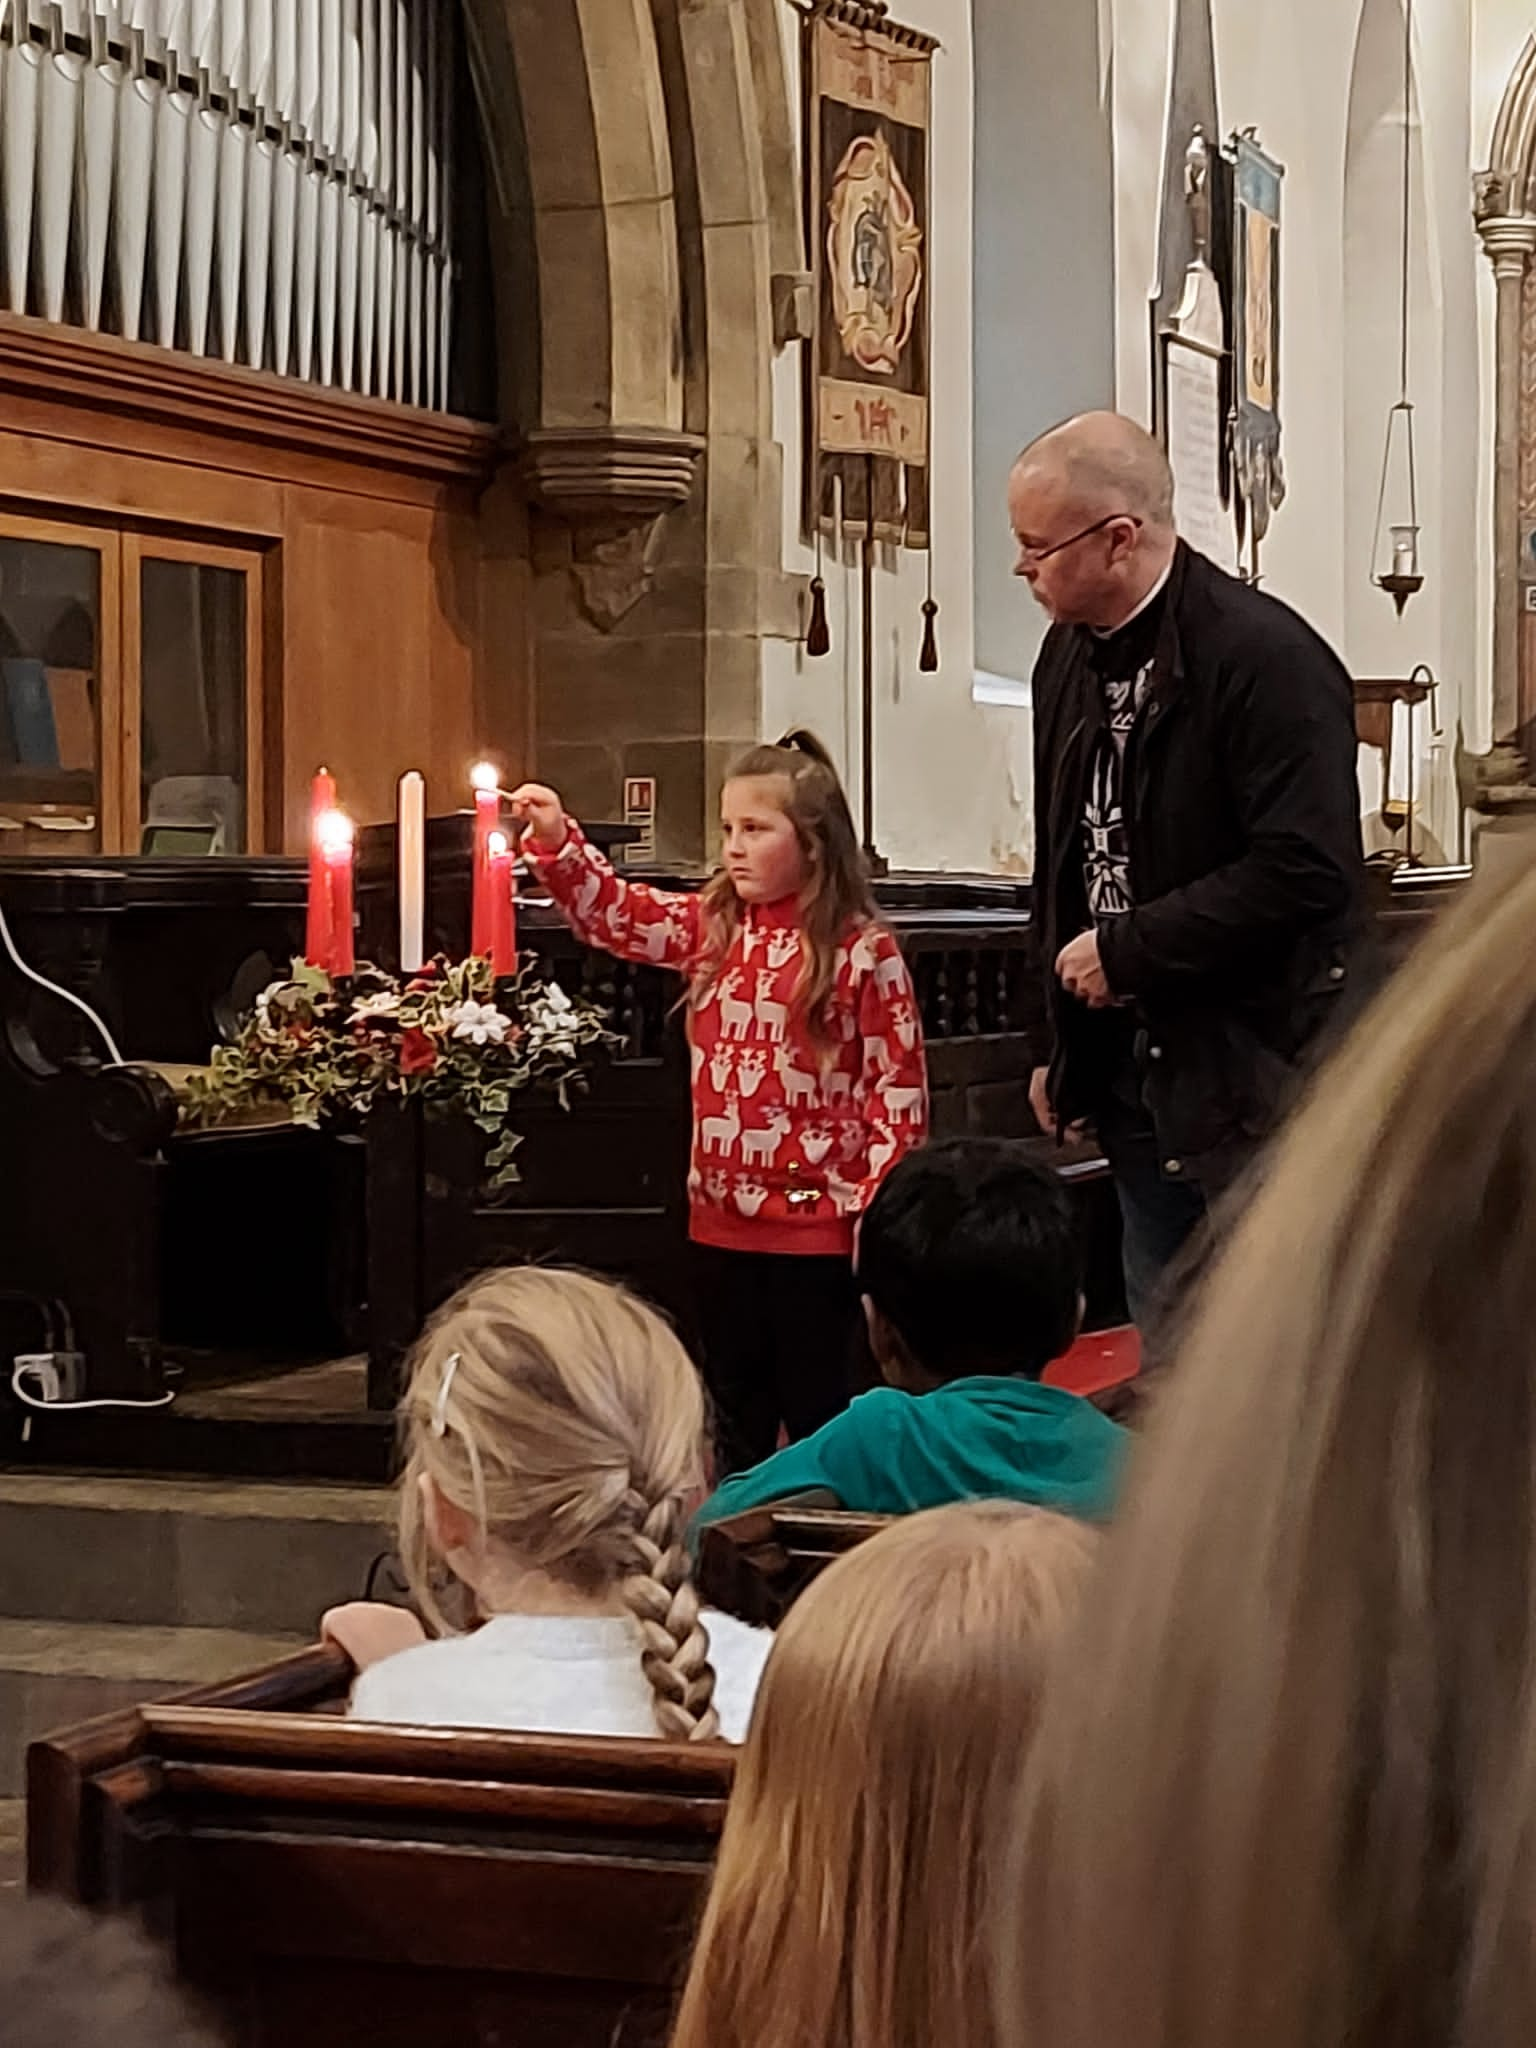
[(970, 1251), (836, 893), (68, 1977)]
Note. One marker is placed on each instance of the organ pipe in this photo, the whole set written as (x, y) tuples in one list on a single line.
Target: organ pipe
[(260, 181)]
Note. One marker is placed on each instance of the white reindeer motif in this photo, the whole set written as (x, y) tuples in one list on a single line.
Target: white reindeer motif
[(617, 923), (696, 1067), (585, 899), (878, 1051), (750, 1070), (783, 946), (903, 1105), (891, 975), (735, 1017), (837, 1086), (772, 1017), (719, 1133), (720, 1068), (816, 1143), (716, 1187), (761, 1148), (660, 940), (904, 1018), (798, 1085), (881, 1153), (750, 1196)]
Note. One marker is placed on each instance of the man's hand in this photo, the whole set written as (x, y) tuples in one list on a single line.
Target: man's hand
[(1040, 1100), (1081, 973), (1044, 1109)]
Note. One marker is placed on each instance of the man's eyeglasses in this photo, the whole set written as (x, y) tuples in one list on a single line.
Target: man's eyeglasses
[(1029, 552)]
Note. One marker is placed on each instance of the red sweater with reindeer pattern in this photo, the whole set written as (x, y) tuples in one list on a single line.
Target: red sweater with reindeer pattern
[(789, 1144)]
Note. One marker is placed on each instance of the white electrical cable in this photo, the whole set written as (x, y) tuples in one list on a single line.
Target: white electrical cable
[(114, 1057), (68, 1407)]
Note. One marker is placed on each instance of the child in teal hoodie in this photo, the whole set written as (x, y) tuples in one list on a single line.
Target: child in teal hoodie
[(968, 1262)]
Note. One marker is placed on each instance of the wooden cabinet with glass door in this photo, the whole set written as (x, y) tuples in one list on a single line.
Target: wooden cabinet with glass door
[(131, 693)]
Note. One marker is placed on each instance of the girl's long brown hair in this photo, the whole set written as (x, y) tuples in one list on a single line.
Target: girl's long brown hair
[(836, 895), (1285, 1795), (855, 1873)]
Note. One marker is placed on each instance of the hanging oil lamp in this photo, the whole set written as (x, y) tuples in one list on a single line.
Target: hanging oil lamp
[(1395, 565)]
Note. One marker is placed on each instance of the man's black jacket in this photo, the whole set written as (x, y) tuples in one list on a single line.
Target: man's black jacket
[(1247, 880)]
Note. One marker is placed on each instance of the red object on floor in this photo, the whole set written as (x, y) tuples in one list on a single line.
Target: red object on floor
[(1103, 1359)]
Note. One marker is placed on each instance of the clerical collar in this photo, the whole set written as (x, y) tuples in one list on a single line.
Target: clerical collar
[(1111, 632)]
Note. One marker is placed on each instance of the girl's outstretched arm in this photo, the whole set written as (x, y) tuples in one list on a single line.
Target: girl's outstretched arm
[(634, 921)]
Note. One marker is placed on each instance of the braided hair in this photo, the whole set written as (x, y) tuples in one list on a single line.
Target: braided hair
[(563, 1415)]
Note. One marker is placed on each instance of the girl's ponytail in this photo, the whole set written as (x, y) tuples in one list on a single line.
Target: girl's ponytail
[(799, 741)]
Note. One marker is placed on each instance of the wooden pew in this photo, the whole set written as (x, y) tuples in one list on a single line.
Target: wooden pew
[(755, 1565), (321, 1880)]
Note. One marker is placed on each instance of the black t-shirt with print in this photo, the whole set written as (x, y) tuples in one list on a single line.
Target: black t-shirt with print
[(1123, 664)]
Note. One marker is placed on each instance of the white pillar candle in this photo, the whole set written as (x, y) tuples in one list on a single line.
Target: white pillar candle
[(411, 836)]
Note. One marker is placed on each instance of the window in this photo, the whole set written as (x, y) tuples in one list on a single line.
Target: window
[(131, 693)]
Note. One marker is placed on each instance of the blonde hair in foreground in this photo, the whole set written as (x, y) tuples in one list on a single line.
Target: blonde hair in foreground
[(1286, 1793), (854, 1878), (567, 1419)]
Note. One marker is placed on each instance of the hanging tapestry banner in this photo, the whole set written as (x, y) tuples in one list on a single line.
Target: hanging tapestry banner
[(869, 121), (1257, 180)]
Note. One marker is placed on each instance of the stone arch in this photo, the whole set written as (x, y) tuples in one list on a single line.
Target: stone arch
[(648, 248), (574, 120)]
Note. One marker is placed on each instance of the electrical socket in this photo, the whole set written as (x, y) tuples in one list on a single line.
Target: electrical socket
[(54, 1375)]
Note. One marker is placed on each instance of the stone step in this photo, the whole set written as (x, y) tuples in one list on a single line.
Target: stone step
[(53, 1675), (185, 1553)]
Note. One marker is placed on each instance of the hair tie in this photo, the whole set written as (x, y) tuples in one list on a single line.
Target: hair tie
[(440, 1405)]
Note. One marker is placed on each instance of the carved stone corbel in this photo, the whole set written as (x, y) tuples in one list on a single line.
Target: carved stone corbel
[(612, 486)]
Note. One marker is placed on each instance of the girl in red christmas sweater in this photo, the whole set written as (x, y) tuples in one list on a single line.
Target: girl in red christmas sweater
[(808, 1073)]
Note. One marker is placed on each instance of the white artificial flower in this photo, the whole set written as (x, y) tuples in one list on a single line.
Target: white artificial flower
[(385, 1004), (556, 997), (479, 1023)]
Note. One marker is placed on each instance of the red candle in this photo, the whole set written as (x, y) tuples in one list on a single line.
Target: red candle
[(503, 916), (336, 840), (317, 923), (487, 818), (512, 905)]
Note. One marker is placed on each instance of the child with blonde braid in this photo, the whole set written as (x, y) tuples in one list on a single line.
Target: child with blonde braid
[(554, 1435)]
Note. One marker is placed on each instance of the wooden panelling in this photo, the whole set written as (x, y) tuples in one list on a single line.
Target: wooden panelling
[(395, 613), (99, 391)]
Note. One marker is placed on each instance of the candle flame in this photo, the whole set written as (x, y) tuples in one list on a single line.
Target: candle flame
[(484, 776), (496, 844), (334, 830)]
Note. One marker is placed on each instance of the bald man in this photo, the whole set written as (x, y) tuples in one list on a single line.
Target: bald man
[(1199, 881)]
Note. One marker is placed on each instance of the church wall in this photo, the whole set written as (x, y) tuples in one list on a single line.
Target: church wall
[(953, 776), (1292, 74)]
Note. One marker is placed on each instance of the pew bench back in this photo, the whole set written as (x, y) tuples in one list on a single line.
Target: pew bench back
[(322, 1880)]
